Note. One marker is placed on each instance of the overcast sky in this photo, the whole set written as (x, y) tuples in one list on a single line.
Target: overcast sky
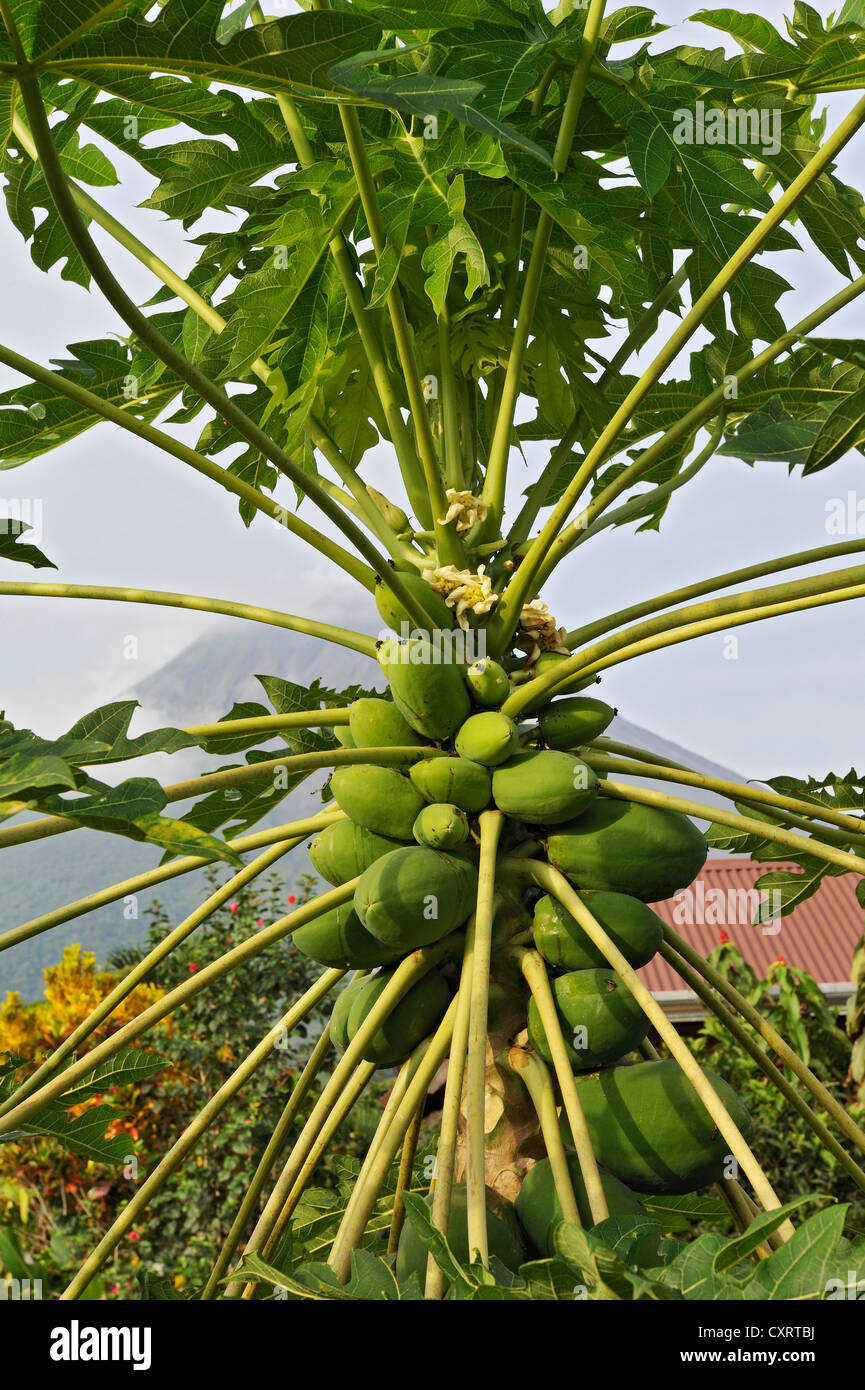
[(116, 511)]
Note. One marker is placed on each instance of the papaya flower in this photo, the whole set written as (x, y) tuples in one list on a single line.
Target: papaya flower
[(463, 508), (463, 590), (538, 631)]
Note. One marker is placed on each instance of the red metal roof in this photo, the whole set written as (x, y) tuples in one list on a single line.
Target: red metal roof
[(819, 936)]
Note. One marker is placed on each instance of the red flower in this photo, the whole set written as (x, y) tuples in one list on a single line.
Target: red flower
[(192, 969), (723, 937), (292, 898), (134, 1235), (233, 907), (259, 921), (780, 960)]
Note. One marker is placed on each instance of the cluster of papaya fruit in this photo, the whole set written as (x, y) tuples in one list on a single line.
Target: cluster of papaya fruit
[(411, 839)]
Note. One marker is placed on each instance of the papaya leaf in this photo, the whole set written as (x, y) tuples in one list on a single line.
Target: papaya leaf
[(771, 434), (81, 1134), (548, 1280), (463, 1281), (128, 1065), (292, 54), (107, 729), (425, 94), (800, 1269), (12, 547), (24, 773), (34, 419), (763, 1225), (842, 431), (677, 1213)]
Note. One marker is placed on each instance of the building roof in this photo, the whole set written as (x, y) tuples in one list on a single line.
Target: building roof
[(819, 936)]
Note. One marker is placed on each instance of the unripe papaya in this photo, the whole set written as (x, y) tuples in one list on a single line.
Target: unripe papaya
[(633, 927), (489, 738), (430, 693), (340, 940), (441, 826), (380, 798), (342, 734), (379, 724), (544, 787), (393, 515), (342, 1008), (455, 780), (343, 850), (502, 1235), (488, 682), (417, 1014), (392, 612), (648, 1126), (629, 848), (539, 1211), (572, 722), (598, 1012), (415, 896)]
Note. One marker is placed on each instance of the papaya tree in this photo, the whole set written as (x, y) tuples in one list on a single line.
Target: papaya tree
[(442, 218)]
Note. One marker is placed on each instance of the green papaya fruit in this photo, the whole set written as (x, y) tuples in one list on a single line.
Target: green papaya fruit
[(502, 1234), (379, 724), (544, 787), (574, 721), (488, 682), (392, 612), (633, 927), (342, 1007), (430, 693), (455, 780), (344, 849), (601, 1019), (415, 896), (417, 1014), (441, 826), (489, 738), (539, 1211), (342, 734), (340, 940), (393, 515), (379, 798), (648, 1126), (625, 847)]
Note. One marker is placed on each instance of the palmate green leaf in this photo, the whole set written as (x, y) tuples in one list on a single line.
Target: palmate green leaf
[(104, 735), (763, 1225), (427, 94), (800, 1269), (24, 774), (771, 434), (34, 420), (289, 698), (784, 889), (127, 1066), (12, 547), (291, 54), (421, 14), (47, 26), (239, 808), (198, 175), (80, 1134), (753, 30), (842, 431), (297, 240)]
